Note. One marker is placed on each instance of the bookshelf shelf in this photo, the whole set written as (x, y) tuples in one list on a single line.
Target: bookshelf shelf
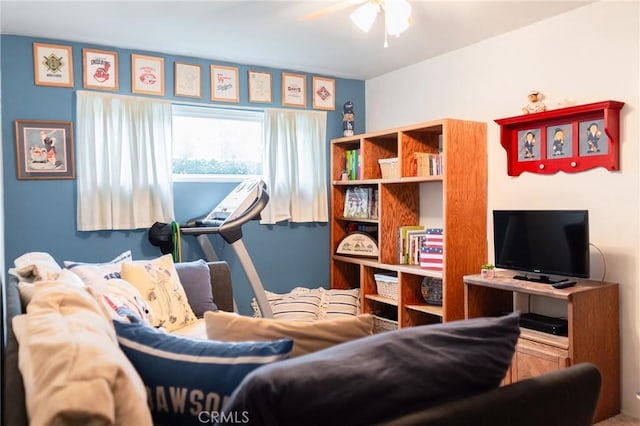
[(355, 219), (459, 194), (381, 299), (426, 309), (409, 179)]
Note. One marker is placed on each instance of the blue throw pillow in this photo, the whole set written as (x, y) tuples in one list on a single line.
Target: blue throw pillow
[(371, 380), (189, 379), (196, 280)]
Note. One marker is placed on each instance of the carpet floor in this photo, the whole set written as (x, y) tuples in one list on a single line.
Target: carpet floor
[(619, 420)]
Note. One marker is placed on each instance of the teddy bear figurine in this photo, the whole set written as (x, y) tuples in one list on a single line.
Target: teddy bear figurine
[(535, 103)]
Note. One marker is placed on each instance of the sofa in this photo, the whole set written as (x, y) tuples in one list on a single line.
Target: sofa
[(565, 397)]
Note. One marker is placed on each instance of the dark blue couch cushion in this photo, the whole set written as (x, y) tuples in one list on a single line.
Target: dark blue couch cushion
[(369, 380)]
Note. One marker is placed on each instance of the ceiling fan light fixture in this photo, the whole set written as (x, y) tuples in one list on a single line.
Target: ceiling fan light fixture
[(364, 16), (397, 16)]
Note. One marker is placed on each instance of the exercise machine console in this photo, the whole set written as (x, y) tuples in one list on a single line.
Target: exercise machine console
[(242, 204)]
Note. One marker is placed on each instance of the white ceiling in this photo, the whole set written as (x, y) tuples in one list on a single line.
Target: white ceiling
[(272, 33)]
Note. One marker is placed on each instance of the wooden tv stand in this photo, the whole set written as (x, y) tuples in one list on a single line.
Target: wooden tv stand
[(593, 323)]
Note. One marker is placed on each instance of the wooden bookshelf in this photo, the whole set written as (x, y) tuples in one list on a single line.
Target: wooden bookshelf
[(460, 191)]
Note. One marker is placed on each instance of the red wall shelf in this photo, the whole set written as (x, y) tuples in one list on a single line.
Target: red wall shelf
[(571, 139)]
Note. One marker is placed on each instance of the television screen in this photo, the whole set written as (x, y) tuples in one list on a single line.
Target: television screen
[(549, 242)]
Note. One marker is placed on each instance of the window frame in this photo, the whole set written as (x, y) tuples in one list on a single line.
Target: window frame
[(216, 112)]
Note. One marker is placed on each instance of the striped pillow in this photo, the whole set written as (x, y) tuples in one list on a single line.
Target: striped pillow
[(300, 304), (304, 304), (339, 303), (185, 377)]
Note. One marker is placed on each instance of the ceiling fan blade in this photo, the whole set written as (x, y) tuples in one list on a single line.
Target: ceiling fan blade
[(331, 9)]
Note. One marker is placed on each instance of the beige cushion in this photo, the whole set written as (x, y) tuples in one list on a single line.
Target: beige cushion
[(71, 365), (160, 287), (196, 330), (307, 336)]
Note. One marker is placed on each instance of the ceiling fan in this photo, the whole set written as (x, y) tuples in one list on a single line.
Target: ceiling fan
[(397, 14)]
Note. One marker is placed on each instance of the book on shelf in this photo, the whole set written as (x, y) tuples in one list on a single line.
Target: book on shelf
[(373, 213), (414, 243), (403, 242), (357, 202), (427, 164), (353, 165)]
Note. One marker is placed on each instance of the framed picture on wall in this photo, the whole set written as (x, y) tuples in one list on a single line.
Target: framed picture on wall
[(53, 65), (324, 93), (44, 149), (593, 141), (260, 87), (528, 145), (188, 80), (99, 69), (560, 141), (224, 84), (147, 75), (294, 91)]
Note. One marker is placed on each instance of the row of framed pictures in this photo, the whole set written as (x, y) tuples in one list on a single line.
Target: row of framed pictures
[(559, 141), (53, 66)]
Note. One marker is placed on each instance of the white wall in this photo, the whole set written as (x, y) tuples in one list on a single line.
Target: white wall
[(590, 54)]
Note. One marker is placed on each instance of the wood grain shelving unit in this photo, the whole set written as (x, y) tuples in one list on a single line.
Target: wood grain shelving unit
[(461, 191)]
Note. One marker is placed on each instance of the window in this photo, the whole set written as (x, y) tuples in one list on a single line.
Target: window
[(215, 144)]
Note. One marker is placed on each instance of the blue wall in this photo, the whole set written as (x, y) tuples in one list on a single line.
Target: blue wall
[(41, 215)]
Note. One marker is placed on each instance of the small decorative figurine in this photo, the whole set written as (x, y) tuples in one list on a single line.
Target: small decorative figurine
[(348, 119), (535, 103)]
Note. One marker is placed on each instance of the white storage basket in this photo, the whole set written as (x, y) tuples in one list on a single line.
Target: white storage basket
[(387, 286)]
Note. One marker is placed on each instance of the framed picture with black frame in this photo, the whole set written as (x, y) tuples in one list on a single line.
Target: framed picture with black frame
[(44, 149)]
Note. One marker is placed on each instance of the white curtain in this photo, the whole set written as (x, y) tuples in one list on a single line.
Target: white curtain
[(123, 156), (295, 166)]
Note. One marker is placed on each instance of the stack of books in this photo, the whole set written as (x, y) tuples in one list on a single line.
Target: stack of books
[(353, 166), (432, 249), (409, 238), (427, 164)]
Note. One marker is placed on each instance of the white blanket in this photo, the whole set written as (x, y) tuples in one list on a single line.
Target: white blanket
[(72, 368)]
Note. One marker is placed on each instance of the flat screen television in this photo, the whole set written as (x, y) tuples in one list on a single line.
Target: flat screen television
[(544, 242)]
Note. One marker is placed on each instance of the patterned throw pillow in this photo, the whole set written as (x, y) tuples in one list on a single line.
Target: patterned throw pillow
[(188, 379), (92, 273), (160, 287), (123, 301)]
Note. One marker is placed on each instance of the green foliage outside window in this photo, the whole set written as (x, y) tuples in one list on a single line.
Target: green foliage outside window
[(215, 167)]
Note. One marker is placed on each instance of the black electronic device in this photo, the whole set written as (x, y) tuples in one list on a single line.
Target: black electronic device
[(544, 242), (563, 284), (544, 323)]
